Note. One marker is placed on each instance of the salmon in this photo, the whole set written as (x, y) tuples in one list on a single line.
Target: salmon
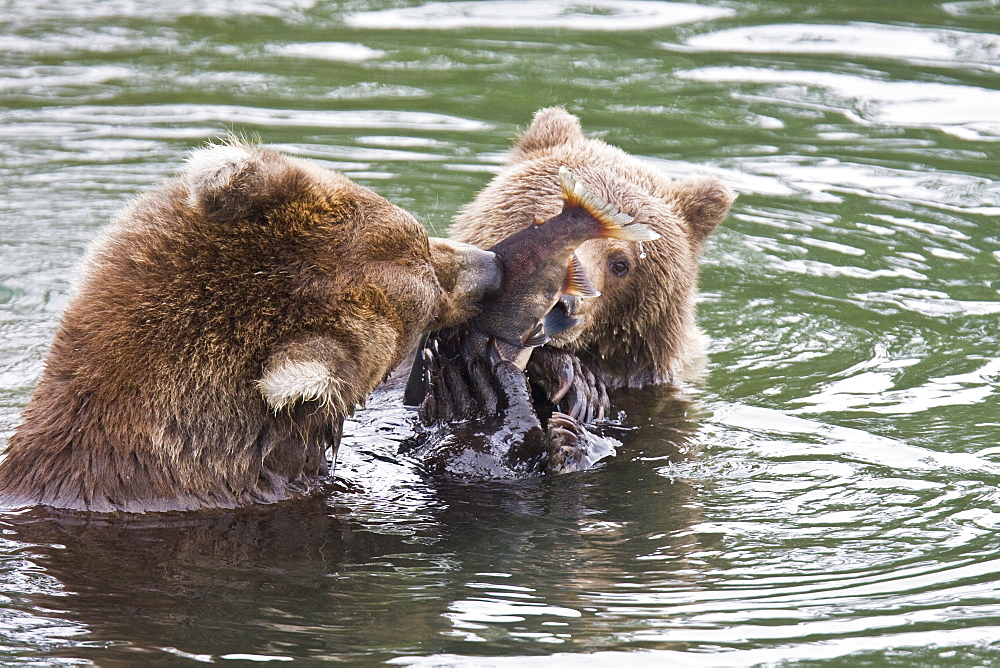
[(539, 266)]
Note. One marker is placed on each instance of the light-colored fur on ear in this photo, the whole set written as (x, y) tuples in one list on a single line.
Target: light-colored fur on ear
[(702, 201), (338, 369), (308, 370), (550, 127), (293, 381), (214, 168)]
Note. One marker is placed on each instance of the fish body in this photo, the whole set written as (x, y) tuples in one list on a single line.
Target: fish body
[(538, 266)]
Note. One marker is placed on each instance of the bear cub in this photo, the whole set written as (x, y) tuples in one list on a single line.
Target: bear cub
[(641, 330), (222, 329)]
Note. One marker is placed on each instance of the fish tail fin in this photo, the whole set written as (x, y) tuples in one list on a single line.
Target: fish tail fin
[(576, 282), (613, 223), (557, 320), (536, 337), (554, 322)]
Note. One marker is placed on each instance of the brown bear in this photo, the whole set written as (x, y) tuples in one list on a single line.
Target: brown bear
[(642, 329), (223, 327)]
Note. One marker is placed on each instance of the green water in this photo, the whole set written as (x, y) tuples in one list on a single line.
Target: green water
[(826, 496)]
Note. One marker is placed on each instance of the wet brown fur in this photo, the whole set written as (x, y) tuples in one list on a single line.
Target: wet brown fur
[(223, 327), (642, 329)]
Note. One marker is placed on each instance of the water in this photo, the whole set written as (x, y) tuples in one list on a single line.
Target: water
[(828, 494)]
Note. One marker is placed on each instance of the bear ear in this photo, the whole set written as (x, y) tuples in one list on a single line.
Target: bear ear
[(310, 368), (337, 370), (702, 201), (292, 381), (226, 180), (550, 127)]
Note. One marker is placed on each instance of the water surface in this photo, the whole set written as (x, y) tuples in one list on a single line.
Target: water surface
[(827, 495)]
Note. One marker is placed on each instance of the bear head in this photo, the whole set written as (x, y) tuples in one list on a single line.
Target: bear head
[(642, 329), (222, 328)]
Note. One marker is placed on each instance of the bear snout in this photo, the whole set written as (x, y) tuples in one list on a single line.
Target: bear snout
[(467, 274), (481, 271)]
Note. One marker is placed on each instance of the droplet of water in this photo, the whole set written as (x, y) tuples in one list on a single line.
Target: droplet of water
[(642, 252)]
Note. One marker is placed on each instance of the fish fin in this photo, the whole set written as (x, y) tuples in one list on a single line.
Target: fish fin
[(557, 320), (493, 352), (614, 223), (537, 336), (576, 282)]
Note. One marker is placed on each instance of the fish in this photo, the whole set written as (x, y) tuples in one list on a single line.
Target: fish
[(539, 266)]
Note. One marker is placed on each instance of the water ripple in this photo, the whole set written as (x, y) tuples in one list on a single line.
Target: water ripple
[(326, 51), (872, 391), (931, 303), (603, 15), (967, 112), (946, 48), (817, 439), (27, 12), (167, 114)]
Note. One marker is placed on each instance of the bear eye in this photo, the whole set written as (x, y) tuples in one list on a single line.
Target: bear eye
[(620, 266)]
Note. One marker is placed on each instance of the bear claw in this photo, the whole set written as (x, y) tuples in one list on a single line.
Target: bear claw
[(570, 386), (572, 447)]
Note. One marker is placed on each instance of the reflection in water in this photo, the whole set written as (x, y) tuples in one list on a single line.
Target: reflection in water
[(183, 581)]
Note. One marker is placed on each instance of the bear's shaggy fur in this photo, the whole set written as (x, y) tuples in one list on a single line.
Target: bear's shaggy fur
[(223, 327), (642, 329)]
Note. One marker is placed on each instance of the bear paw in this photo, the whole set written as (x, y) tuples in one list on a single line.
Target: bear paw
[(570, 386), (573, 448)]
